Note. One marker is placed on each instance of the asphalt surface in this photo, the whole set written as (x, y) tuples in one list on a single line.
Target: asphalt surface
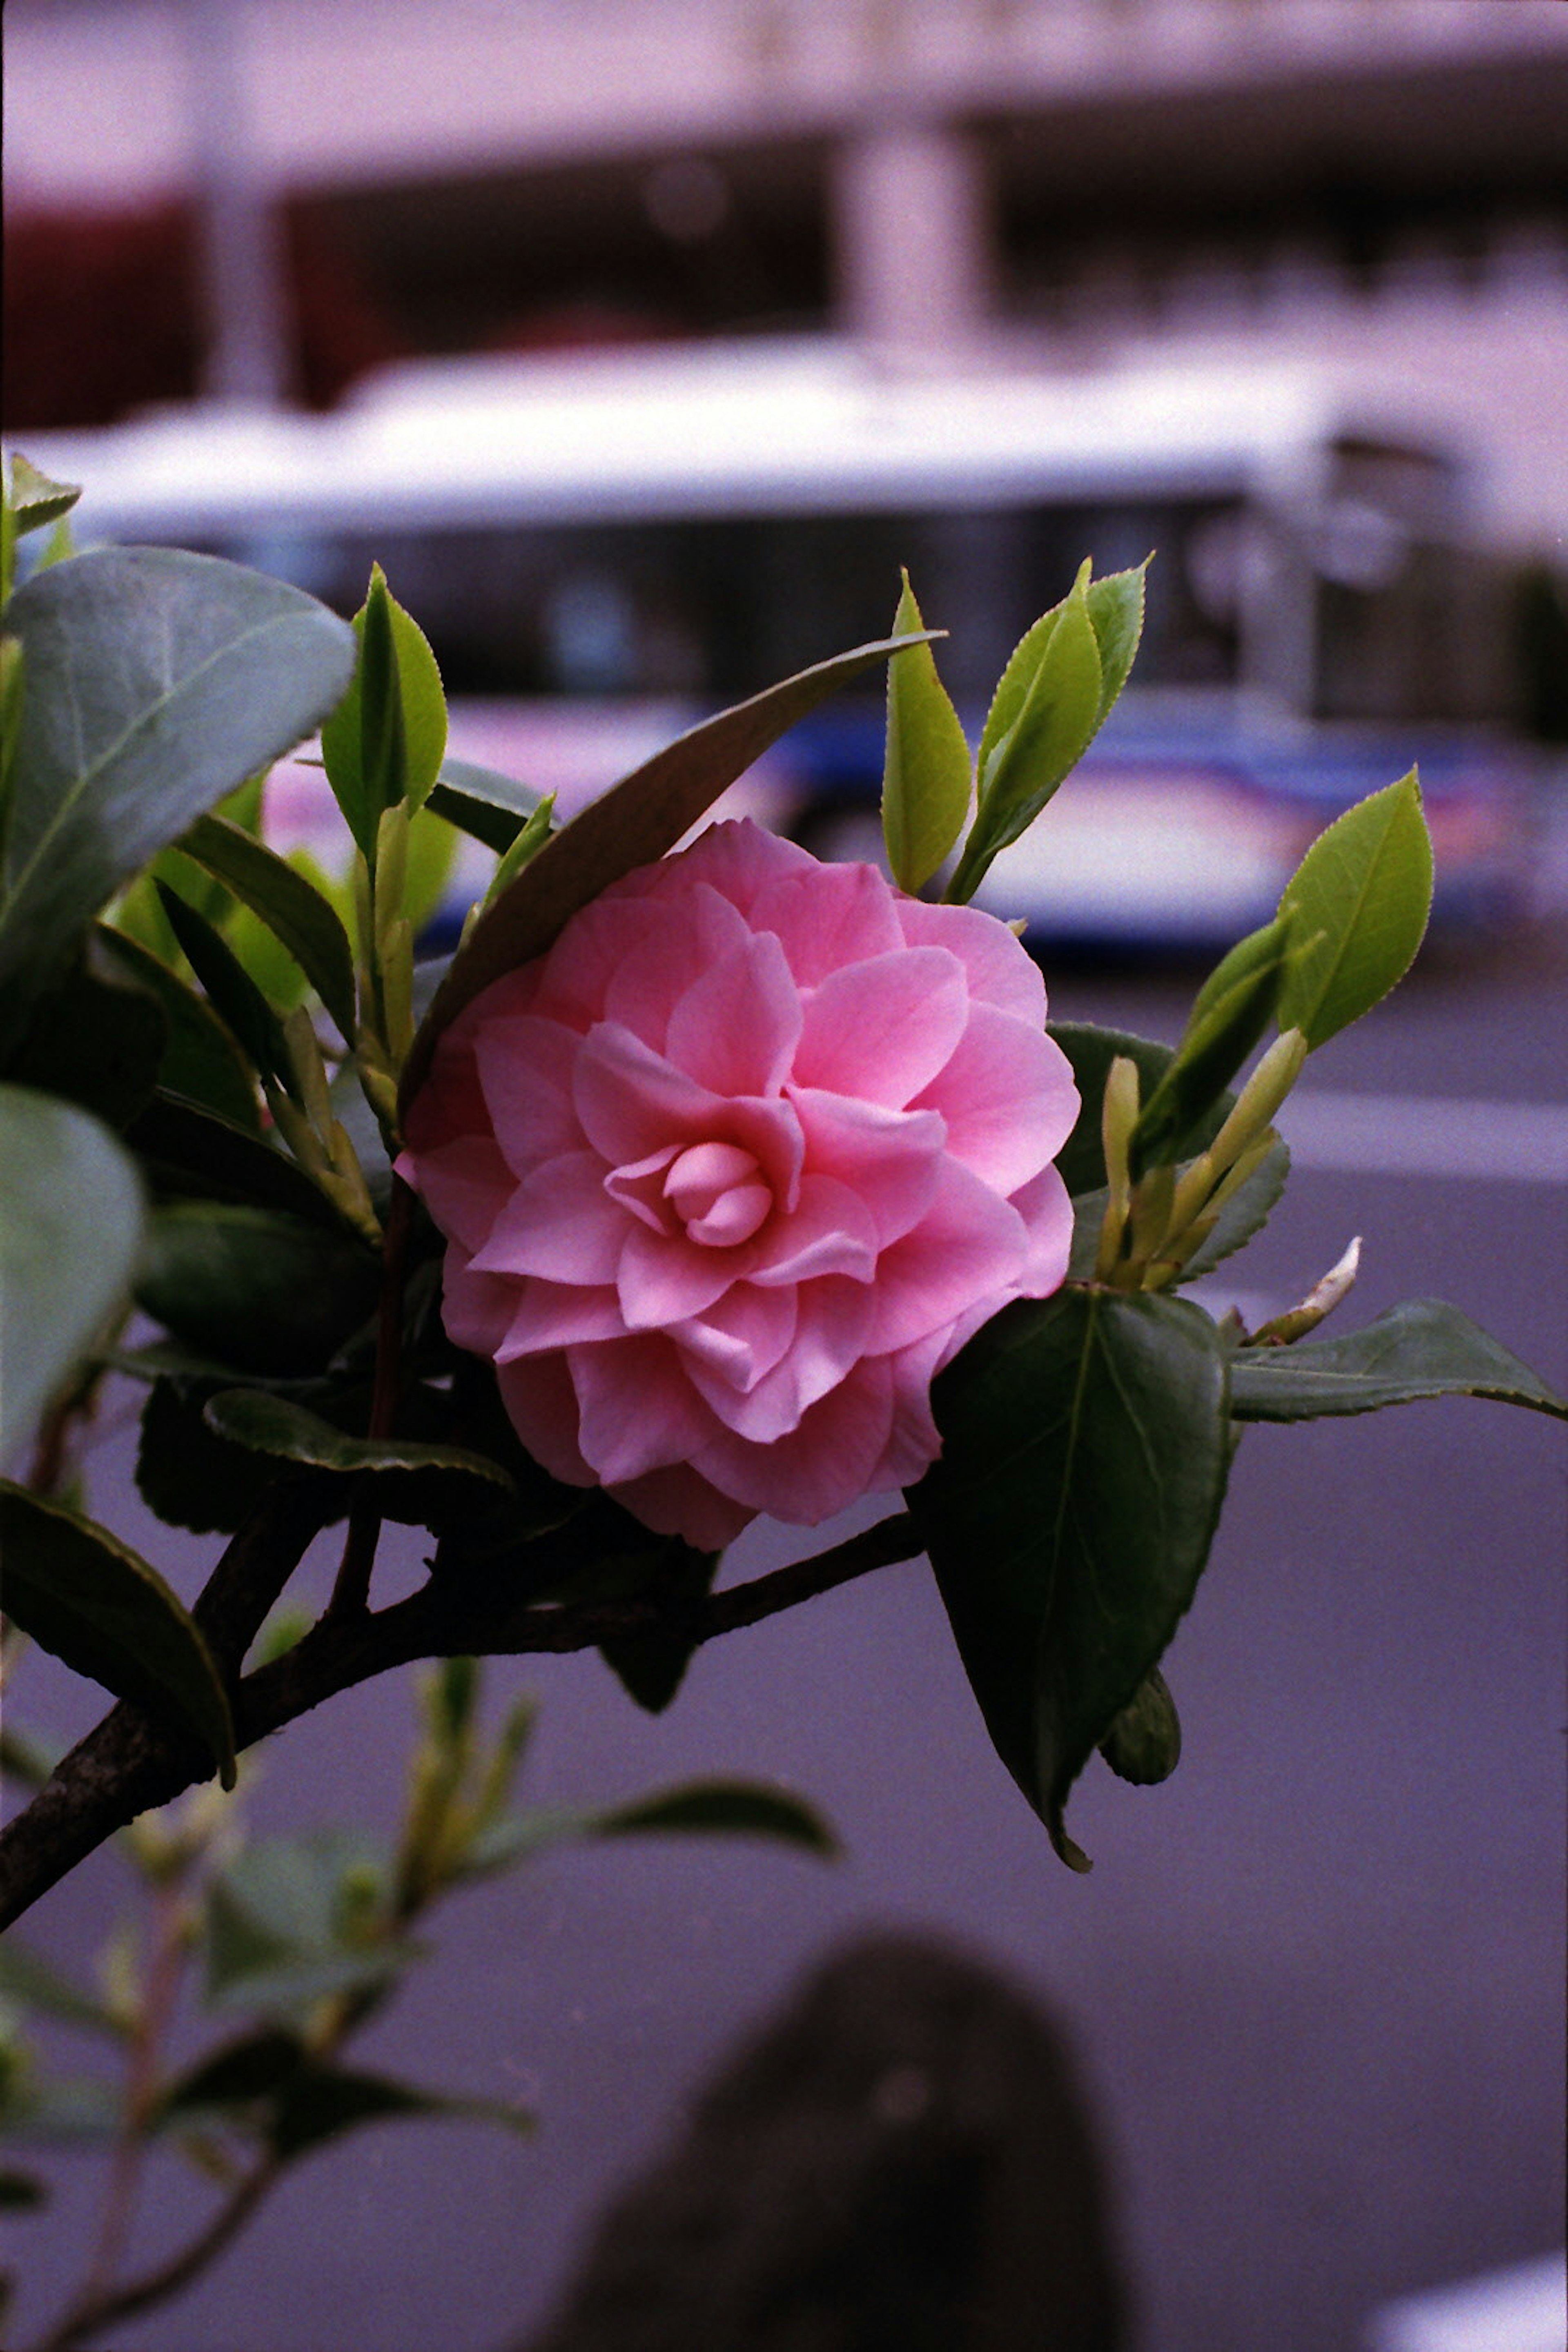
[(1314, 1982)]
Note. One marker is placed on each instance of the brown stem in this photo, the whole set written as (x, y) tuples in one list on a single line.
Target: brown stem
[(86, 2318), (126, 1765), (351, 1592)]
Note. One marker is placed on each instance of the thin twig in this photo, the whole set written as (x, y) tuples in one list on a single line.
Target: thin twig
[(88, 2316), (351, 1591)]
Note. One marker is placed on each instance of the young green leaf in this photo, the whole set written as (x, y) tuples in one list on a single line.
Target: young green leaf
[(1086, 1440), (1357, 906), (1423, 1347), (1116, 614), (490, 807), (385, 741), (234, 995), (156, 682), (291, 908), (1042, 718), (1228, 1017), (89, 1599), (925, 772), (70, 1230), (634, 822), (34, 500)]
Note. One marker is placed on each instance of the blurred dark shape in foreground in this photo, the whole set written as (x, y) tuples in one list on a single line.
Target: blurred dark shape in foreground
[(899, 2162)]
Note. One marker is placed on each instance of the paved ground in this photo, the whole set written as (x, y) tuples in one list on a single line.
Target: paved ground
[(1314, 1982)]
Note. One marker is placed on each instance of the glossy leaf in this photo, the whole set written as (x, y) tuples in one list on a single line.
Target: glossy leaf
[(1143, 1744), (636, 821), (291, 908), (156, 682), (188, 1151), (926, 772), (410, 1477), (1045, 710), (185, 1473), (254, 1287), (70, 1228), (1423, 1347), (97, 1039), (726, 1808), (200, 1061), (479, 800), (89, 1599), (1357, 904), (231, 991), (1116, 616), (1092, 1051), (385, 741), (1228, 1017), (1085, 1448)]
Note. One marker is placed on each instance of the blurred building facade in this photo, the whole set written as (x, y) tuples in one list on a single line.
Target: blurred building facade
[(263, 198)]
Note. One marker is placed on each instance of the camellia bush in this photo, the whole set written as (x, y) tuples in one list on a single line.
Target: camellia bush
[(698, 1182)]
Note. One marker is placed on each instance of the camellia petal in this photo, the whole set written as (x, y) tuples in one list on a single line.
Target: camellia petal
[(732, 1171)]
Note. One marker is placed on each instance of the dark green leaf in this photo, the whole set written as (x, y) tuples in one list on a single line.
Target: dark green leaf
[(33, 1982), (252, 2068), (1228, 1017), (925, 774), (1357, 905), (1420, 1349), (636, 821), (1085, 1447), (293, 910), (188, 1151), (1092, 1051), (1143, 1744), (384, 741), (34, 500), (70, 1228), (410, 1477), (201, 1061), (156, 682), (651, 1667), (234, 995), (326, 2101), (90, 1601), (493, 808), (97, 1039), (22, 2192), (255, 1288), (727, 1808), (188, 1476)]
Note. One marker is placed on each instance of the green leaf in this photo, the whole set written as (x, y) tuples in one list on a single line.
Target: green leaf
[(200, 1061), (385, 741), (651, 1667), (35, 499), (726, 1808), (1361, 897), (293, 910), (1143, 1744), (255, 1288), (1116, 614), (410, 1477), (324, 2102), (22, 2192), (1043, 715), (75, 2112), (252, 2068), (285, 1921), (70, 1228), (97, 1039), (232, 993), (157, 681), (636, 821), (493, 808), (33, 1982), (1420, 1349), (189, 1151), (525, 847), (925, 773), (1085, 1448), (1092, 1051), (89, 1599), (187, 1476), (1229, 1015), (1247, 1210)]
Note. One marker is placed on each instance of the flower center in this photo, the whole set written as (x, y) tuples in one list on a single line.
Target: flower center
[(719, 1192)]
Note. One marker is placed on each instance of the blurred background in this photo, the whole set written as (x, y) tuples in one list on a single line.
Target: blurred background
[(642, 341)]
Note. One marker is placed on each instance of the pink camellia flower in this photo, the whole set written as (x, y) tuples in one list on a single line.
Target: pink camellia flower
[(734, 1170)]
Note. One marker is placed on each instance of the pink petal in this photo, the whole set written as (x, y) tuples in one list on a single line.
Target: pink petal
[(464, 1184), (889, 1158), (828, 917), (663, 1280), (1008, 1097), (737, 1339), (677, 945), (633, 1102), (738, 857), (970, 1247), (554, 1315), (999, 967), (638, 1411), (559, 1223), (542, 1404), (680, 1502), (834, 1318), (525, 1066), (880, 1031), (830, 1232), (823, 1465), (736, 1028), (1047, 1211), (475, 1308)]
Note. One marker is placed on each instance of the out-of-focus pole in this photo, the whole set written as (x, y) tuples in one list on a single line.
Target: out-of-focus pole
[(241, 258), (913, 234)]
